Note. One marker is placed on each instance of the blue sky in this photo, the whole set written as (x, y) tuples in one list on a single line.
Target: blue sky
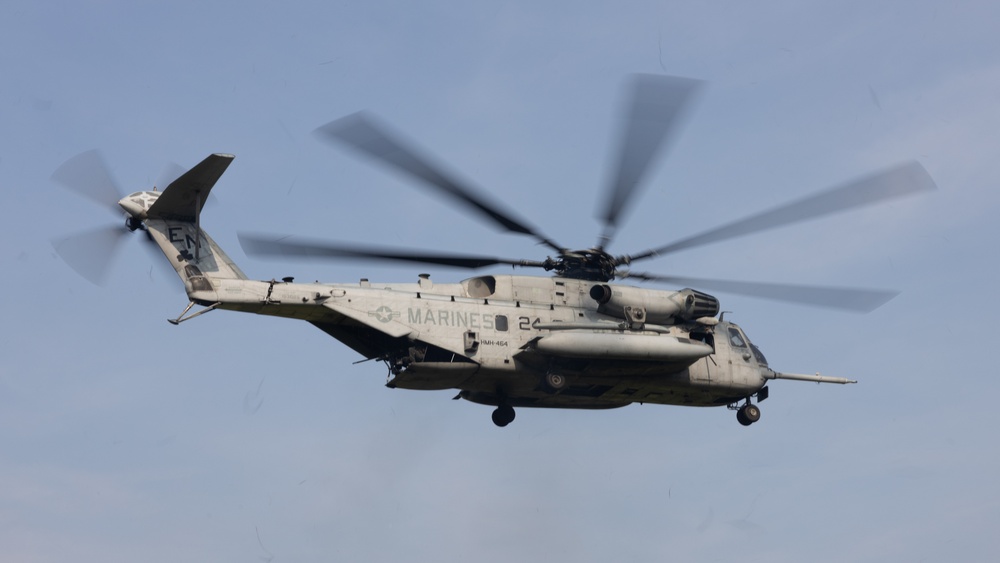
[(235, 438)]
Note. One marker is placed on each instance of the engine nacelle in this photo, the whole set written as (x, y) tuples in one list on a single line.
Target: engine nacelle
[(662, 307)]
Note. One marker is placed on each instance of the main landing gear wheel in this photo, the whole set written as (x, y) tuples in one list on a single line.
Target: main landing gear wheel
[(748, 414), (503, 415), (555, 381)]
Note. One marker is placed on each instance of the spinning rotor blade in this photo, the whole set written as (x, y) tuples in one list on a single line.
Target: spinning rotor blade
[(850, 299), (270, 245), (362, 133), (171, 171), (88, 175), (903, 180), (652, 118), (90, 253)]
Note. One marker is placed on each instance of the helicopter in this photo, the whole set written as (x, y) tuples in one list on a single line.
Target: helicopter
[(574, 339)]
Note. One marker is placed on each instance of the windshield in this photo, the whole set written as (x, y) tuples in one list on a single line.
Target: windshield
[(738, 339)]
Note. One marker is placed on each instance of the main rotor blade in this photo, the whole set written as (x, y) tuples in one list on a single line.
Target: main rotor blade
[(905, 179), (655, 111), (279, 246), (90, 253), (88, 175), (364, 134), (850, 299)]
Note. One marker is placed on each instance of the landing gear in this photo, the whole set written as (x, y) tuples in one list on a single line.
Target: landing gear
[(748, 414), (554, 381), (503, 415)]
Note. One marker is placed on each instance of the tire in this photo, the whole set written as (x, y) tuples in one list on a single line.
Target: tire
[(742, 418), (555, 381), (498, 418), (503, 415)]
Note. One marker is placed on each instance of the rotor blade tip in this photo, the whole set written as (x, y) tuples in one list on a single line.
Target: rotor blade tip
[(252, 243), (921, 177), (90, 253), (344, 128)]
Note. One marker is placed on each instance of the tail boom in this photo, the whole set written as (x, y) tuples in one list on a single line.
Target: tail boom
[(173, 222)]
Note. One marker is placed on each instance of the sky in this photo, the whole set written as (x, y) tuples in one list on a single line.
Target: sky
[(237, 438)]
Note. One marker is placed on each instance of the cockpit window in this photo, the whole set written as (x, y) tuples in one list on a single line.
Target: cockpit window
[(736, 339)]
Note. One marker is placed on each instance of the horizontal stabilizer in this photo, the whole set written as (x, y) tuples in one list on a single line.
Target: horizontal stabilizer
[(185, 197)]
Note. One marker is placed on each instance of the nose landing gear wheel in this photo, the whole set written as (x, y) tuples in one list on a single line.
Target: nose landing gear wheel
[(748, 414), (503, 415)]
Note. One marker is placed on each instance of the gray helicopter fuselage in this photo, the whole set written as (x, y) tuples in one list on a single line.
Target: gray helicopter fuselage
[(505, 340), (494, 338)]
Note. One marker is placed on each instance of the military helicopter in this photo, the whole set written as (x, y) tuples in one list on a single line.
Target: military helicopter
[(572, 340)]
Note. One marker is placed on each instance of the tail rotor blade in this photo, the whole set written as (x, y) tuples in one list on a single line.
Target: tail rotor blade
[(171, 171), (90, 253), (88, 175)]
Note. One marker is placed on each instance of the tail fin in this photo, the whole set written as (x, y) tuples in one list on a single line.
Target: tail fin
[(173, 221)]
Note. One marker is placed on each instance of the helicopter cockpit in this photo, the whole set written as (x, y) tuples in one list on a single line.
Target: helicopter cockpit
[(738, 340)]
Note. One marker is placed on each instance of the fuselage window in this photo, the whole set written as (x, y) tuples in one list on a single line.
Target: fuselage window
[(500, 322), (703, 337), (736, 339)]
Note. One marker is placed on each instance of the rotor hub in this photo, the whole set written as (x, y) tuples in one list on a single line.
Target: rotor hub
[(591, 265), (133, 224)]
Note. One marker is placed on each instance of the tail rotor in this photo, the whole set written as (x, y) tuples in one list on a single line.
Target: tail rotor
[(90, 253)]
